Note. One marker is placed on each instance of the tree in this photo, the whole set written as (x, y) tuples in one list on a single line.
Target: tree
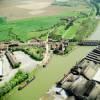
[(2, 20)]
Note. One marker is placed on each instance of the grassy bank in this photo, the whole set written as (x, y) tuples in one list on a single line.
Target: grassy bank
[(17, 79)]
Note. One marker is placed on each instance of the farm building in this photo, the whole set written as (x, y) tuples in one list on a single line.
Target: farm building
[(14, 63), (59, 47), (3, 46)]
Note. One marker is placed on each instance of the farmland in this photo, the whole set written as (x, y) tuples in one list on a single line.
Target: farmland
[(26, 29)]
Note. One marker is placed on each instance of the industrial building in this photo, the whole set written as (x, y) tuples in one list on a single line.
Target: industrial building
[(12, 60), (81, 83)]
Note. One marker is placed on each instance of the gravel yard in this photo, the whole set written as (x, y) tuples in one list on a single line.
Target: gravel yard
[(8, 72), (27, 63)]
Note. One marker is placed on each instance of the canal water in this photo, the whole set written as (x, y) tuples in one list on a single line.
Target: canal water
[(47, 77)]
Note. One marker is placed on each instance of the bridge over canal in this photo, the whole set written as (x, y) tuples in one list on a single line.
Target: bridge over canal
[(89, 43)]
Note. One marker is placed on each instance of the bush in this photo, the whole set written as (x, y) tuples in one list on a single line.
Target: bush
[(68, 49), (17, 65), (55, 36), (2, 20), (18, 78), (87, 26)]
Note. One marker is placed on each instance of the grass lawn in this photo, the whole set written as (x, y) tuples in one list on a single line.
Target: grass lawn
[(47, 77)]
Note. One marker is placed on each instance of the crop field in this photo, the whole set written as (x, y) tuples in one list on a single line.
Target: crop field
[(70, 33), (26, 29)]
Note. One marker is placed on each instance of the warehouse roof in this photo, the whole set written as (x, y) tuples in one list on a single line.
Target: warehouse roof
[(97, 76)]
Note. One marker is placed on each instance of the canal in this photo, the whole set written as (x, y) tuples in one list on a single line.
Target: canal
[(47, 77)]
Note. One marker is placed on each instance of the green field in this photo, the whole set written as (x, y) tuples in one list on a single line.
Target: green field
[(26, 29), (70, 33), (47, 77)]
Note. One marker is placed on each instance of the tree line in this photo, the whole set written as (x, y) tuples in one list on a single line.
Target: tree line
[(96, 4)]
